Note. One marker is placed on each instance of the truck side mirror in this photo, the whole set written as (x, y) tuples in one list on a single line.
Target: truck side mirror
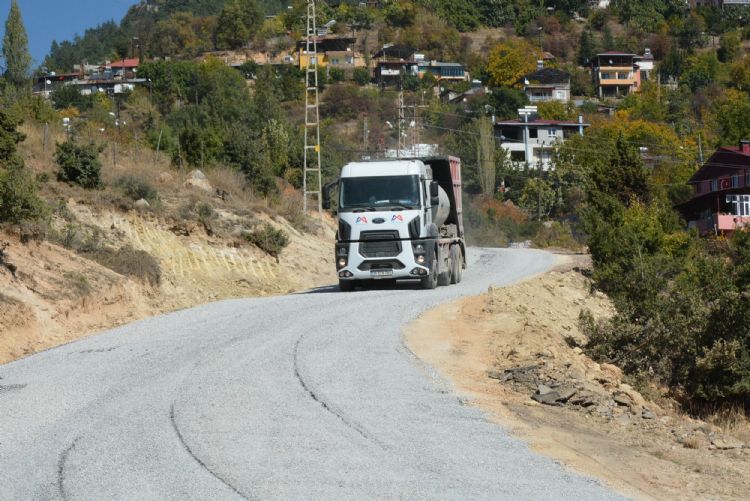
[(326, 200), (434, 193)]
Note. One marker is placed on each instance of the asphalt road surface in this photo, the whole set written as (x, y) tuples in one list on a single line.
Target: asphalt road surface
[(307, 396)]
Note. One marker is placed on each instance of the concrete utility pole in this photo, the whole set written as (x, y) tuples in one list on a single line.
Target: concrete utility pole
[(312, 176), (401, 120)]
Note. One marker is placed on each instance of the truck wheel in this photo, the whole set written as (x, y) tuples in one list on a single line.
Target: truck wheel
[(455, 263), (444, 278), (431, 280), (459, 264), (346, 285)]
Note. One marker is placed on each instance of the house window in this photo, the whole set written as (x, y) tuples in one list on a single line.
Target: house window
[(735, 181), (518, 156), (552, 132), (698, 187), (714, 185), (740, 205), (747, 178), (560, 94), (533, 133)]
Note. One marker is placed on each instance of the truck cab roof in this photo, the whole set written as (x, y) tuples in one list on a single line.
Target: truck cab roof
[(411, 167)]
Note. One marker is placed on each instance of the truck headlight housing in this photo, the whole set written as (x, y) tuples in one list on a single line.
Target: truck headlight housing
[(342, 255), (419, 248)]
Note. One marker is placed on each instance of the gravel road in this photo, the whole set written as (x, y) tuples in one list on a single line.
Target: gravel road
[(307, 396)]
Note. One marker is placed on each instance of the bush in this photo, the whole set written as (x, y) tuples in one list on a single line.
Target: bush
[(18, 198), (336, 75), (79, 164), (361, 76), (136, 188), (268, 239)]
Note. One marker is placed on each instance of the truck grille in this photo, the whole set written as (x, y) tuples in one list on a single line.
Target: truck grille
[(379, 244)]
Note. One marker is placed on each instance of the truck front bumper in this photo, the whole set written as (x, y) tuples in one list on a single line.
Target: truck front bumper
[(411, 262)]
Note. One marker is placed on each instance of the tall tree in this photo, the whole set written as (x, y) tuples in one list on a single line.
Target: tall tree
[(586, 48), (238, 22), (16, 48), (486, 155)]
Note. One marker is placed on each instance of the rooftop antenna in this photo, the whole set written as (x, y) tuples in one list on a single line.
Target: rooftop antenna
[(312, 176)]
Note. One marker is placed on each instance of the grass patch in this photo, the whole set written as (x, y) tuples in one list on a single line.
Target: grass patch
[(78, 283), (131, 263), (135, 187)]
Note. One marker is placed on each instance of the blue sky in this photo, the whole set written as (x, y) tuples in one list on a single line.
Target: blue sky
[(48, 20)]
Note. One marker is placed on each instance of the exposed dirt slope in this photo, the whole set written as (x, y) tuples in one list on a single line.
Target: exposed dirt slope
[(510, 349), (58, 295)]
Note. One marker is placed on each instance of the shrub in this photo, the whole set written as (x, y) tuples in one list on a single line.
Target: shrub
[(18, 198), (268, 239), (136, 188), (361, 76), (79, 164)]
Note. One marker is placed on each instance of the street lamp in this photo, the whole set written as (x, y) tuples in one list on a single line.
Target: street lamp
[(541, 49)]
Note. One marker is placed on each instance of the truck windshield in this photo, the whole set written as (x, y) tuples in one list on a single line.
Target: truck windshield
[(379, 192)]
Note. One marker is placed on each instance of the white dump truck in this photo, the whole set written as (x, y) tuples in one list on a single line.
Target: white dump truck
[(399, 219)]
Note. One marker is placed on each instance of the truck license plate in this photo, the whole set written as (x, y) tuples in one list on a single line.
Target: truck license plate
[(381, 273)]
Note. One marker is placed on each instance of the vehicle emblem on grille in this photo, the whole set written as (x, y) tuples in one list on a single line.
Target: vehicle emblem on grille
[(378, 220)]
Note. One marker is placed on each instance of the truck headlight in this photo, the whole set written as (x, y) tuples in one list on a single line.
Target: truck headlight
[(419, 248), (420, 259), (342, 262)]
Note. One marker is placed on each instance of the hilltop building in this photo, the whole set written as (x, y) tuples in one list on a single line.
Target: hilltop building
[(530, 141), (617, 74), (721, 192), (546, 84)]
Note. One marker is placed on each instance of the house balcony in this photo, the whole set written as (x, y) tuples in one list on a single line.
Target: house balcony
[(618, 81), (720, 223)]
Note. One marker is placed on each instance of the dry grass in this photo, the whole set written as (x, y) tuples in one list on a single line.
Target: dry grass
[(130, 262), (733, 421)]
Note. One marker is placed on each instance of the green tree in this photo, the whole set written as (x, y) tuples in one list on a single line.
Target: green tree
[(622, 178), (79, 164), (538, 197), (18, 198), (238, 22), (16, 49), (729, 46), (586, 48)]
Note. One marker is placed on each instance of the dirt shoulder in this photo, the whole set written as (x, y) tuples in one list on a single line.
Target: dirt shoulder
[(513, 351)]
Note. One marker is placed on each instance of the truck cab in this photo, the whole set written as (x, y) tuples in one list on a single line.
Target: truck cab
[(396, 220)]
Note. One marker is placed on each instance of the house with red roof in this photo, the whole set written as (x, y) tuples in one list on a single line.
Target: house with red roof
[(721, 192), (124, 68), (530, 141)]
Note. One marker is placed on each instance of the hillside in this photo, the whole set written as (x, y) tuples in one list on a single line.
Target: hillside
[(108, 257)]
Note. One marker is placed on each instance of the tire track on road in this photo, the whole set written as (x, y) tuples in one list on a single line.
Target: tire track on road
[(328, 407), (198, 460), (61, 469)]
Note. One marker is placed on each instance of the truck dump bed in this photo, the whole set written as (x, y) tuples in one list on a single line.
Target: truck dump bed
[(447, 172)]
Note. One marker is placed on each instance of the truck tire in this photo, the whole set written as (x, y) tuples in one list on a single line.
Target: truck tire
[(431, 280), (455, 263), (347, 285), (444, 278), (459, 264)]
